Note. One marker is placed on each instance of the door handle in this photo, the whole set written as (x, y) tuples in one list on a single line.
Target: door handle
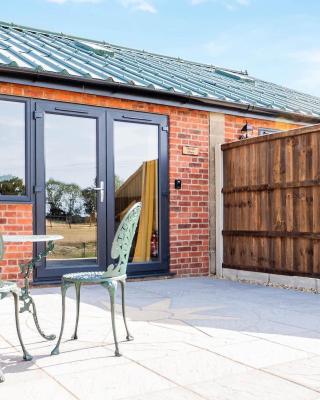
[(101, 190)]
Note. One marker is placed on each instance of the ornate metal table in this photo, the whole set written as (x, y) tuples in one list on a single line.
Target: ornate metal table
[(26, 269)]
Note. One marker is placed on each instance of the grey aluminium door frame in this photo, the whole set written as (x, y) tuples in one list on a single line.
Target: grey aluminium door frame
[(50, 270)]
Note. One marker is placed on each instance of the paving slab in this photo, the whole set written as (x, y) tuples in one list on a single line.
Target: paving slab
[(305, 372), (195, 338), (253, 385)]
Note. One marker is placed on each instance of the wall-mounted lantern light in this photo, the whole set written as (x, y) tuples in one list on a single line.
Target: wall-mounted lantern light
[(246, 131)]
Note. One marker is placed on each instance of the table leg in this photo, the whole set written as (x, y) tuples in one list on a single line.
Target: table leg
[(27, 303), (25, 291)]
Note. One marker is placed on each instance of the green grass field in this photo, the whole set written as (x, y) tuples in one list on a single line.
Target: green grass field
[(79, 240)]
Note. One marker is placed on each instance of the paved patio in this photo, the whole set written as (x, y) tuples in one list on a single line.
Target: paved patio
[(194, 339)]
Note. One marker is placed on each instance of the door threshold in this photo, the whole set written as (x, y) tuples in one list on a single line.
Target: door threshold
[(150, 276), (134, 277)]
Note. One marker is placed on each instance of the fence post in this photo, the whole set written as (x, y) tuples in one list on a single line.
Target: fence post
[(219, 209), (216, 136)]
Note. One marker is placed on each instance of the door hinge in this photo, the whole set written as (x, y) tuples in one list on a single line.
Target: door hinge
[(37, 189), (164, 129), (37, 114)]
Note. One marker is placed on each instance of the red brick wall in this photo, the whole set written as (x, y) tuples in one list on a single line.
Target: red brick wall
[(233, 125), (189, 217), (15, 219), (188, 207)]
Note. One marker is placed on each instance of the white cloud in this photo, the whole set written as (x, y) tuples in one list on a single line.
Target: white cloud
[(230, 5), (243, 2), (73, 1), (140, 5), (196, 2)]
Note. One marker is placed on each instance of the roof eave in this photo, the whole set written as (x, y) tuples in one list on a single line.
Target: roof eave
[(51, 77)]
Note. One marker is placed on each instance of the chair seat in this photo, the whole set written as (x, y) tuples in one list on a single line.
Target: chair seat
[(7, 286), (89, 276)]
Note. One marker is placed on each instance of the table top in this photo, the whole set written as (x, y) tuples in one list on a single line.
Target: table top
[(30, 238)]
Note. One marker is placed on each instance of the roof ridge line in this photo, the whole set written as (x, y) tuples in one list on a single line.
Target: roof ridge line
[(102, 42)]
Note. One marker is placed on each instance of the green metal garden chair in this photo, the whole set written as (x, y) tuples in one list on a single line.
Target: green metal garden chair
[(7, 288), (109, 279)]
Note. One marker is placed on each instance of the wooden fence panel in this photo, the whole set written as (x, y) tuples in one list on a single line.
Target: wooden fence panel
[(271, 197)]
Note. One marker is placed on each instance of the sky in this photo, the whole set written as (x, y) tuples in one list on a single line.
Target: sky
[(277, 41)]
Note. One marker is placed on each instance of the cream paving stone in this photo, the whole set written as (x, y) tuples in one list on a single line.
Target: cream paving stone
[(200, 332), (193, 367), (33, 385), (164, 331), (176, 393), (11, 360), (6, 346), (219, 338), (147, 351), (85, 358), (252, 385), (299, 317), (111, 382), (305, 372), (261, 353), (237, 323), (297, 338)]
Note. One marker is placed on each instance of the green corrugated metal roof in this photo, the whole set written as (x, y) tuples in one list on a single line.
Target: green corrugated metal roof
[(42, 51)]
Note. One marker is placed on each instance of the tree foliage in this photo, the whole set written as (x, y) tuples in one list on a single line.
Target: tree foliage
[(12, 185), (64, 199)]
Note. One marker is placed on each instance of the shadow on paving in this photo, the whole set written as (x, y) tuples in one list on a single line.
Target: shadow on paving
[(209, 304)]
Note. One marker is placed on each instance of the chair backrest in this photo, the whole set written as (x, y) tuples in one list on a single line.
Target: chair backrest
[(122, 242)]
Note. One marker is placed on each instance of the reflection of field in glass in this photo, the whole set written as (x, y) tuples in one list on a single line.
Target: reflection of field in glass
[(80, 240)]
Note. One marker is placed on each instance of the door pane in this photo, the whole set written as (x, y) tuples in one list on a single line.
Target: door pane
[(136, 179), (71, 173), (12, 148)]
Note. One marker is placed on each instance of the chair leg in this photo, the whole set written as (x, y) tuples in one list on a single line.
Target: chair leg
[(26, 355), (64, 287), (78, 288), (112, 288), (123, 286)]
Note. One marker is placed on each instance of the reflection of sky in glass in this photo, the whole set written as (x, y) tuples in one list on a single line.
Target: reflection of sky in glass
[(12, 139), (133, 144), (70, 149)]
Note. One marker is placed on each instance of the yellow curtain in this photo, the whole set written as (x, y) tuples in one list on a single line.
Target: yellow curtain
[(148, 211)]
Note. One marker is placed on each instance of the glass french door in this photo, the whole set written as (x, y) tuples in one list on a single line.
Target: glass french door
[(91, 165), (70, 187), (138, 160)]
